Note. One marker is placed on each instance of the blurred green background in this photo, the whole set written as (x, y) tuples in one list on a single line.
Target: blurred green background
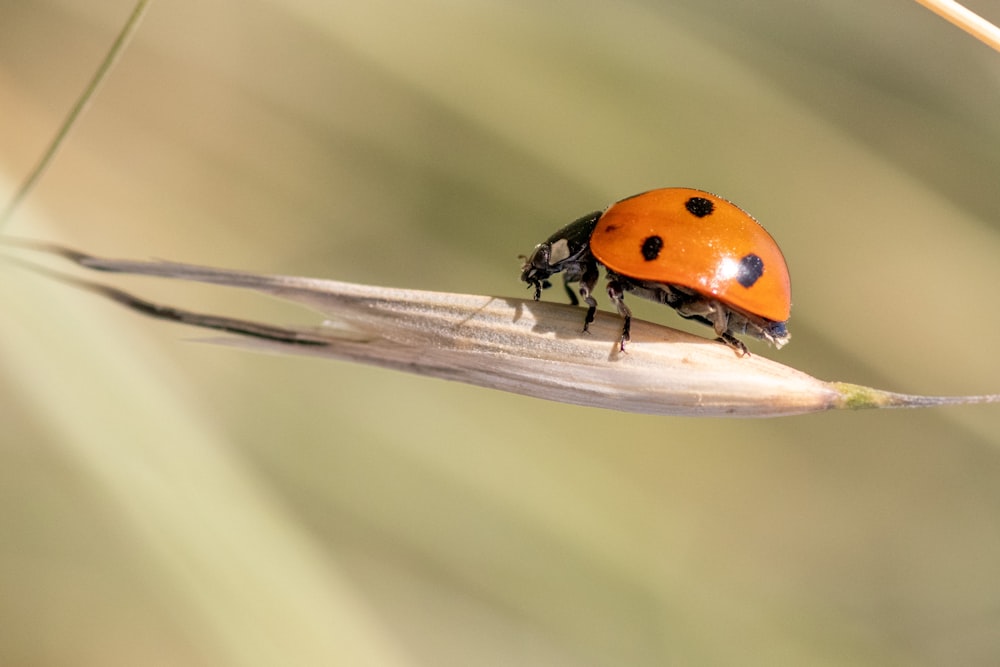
[(168, 502)]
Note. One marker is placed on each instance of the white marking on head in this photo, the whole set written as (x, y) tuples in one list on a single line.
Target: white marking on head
[(558, 251)]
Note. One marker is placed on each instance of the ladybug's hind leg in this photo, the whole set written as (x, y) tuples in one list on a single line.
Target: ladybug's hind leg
[(717, 316), (616, 292), (721, 322), (735, 343)]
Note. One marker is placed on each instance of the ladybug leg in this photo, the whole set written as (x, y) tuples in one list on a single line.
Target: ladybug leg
[(720, 322), (570, 291), (617, 294), (719, 315), (587, 283), (735, 343)]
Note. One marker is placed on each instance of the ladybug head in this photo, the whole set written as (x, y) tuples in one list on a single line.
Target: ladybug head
[(566, 250), (537, 269)]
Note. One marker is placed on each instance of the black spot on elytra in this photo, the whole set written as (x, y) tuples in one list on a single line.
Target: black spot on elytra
[(610, 228), (751, 268), (699, 207), (651, 248)]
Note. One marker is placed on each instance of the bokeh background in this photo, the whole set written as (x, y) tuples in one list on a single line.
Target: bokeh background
[(164, 501)]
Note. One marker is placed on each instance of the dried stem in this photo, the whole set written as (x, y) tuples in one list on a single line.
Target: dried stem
[(516, 345)]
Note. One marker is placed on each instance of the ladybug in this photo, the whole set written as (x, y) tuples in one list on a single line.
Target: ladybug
[(694, 251)]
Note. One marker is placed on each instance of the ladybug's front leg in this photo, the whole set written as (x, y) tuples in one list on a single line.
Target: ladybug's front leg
[(617, 293), (588, 280), (569, 290)]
